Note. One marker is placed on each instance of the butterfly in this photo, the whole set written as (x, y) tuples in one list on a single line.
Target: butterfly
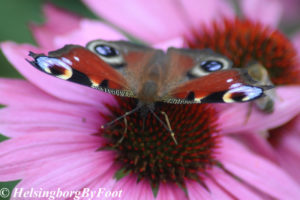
[(177, 76)]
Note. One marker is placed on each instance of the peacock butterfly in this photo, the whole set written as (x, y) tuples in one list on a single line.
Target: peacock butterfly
[(177, 76)]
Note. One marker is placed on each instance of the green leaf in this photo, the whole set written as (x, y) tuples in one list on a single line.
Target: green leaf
[(6, 189)]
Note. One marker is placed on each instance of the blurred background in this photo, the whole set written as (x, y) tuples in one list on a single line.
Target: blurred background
[(15, 15)]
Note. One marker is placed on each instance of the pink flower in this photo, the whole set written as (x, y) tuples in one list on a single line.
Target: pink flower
[(54, 125), (282, 144)]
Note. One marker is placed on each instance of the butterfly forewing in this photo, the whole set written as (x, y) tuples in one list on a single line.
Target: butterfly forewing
[(78, 64)]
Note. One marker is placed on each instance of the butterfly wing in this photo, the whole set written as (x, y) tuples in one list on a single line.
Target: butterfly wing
[(207, 77), (116, 67), (226, 86), (78, 64)]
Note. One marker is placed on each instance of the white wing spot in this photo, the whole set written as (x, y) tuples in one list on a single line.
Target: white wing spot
[(76, 58)]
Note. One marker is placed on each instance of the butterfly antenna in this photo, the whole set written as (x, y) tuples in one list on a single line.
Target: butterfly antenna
[(121, 117), (168, 126)]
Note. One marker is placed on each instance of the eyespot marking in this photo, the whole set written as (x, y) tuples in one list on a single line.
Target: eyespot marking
[(211, 65), (54, 66), (242, 94), (106, 50)]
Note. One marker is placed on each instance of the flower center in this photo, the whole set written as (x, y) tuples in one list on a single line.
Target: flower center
[(148, 149), (243, 41)]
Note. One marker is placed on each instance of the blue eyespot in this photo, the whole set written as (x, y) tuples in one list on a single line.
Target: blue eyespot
[(107, 51), (211, 66)]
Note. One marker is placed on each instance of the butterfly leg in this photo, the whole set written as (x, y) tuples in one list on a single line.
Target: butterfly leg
[(168, 126), (118, 118), (124, 133)]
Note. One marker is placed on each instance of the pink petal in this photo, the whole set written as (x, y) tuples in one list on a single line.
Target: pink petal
[(233, 119), (217, 192), (175, 42), (259, 144), (287, 147), (159, 20), (103, 181), (289, 156), (70, 172), (233, 186), (257, 171), (15, 121), (133, 190), (61, 89), (58, 21), (197, 191), (22, 156), (21, 89), (37, 98), (202, 11), (144, 20), (170, 191), (267, 12), (88, 30), (77, 177)]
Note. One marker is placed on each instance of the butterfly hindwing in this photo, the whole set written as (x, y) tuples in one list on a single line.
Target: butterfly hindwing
[(225, 86), (208, 77)]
